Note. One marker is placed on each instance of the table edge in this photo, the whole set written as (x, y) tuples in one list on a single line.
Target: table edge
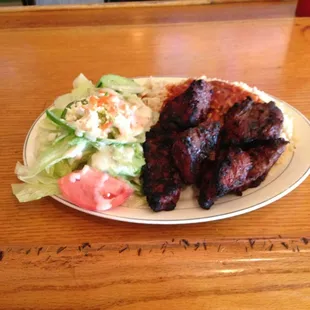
[(105, 6)]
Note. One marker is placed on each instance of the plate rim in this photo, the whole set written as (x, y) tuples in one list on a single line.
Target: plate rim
[(179, 221)]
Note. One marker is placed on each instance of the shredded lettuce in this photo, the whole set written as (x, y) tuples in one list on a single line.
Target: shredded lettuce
[(60, 169), (82, 87), (100, 143), (41, 178), (51, 156), (28, 192), (119, 160), (119, 83), (129, 158), (49, 133), (135, 183)]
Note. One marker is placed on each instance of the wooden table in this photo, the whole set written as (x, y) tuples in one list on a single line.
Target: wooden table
[(53, 257)]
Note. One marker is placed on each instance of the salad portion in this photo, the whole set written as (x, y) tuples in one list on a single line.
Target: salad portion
[(89, 145)]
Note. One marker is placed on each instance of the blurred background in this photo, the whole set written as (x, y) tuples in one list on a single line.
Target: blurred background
[(59, 2)]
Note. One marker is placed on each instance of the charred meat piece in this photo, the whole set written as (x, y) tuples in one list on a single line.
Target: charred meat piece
[(188, 109), (208, 186), (230, 173), (263, 158), (155, 132), (233, 171), (159, 135), (249, 120), (161, 181), (165, 194), (193, 146), (157, 153)]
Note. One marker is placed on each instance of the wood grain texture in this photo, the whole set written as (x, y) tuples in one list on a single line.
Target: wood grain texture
[(242, 274), (148, 3), (139, 13), (53, 257)]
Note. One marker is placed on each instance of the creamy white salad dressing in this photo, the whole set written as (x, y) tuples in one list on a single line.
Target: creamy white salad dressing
[(105, 113), (102, 203), (102, 160), (113, 159)]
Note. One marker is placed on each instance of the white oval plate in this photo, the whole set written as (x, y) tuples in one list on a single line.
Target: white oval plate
[(293, 169)]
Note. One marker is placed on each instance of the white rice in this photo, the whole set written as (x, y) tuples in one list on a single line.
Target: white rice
[(155, 93)]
